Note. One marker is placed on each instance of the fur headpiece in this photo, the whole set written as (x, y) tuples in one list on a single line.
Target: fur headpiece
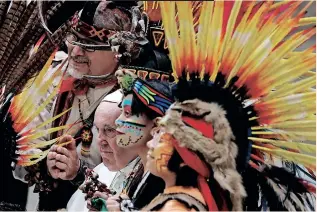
[(226, 108)]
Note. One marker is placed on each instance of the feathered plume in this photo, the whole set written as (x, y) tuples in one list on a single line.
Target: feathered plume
[(248, 50), (21, 30), (22, 112)]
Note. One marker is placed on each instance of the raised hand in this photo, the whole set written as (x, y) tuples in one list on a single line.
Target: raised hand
[(63, 162)]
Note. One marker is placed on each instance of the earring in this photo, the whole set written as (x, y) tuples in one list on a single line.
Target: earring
[(115, 49)]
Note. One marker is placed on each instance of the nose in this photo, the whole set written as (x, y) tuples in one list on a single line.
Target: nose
[(77, 51), (101, 137)]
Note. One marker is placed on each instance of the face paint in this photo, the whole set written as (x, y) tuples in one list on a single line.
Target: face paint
[(129, 132), (160, 152), (131, 129)]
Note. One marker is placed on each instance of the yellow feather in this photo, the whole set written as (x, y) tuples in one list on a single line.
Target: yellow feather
[(291, 99), (307, 21), (289, 135), (52, 119), (294, 115), (187, 34), (239, 38), (204, 21), (214, 40), (31, 116), (278, 4), (40, 156), (251, 44), (37, 95), (41, 133), (306, 160), (295, 72), (288, 124), (229, 31), (42, 144), (289, 45), (168, 19), (36, 83), (309, 148), (292, 88)]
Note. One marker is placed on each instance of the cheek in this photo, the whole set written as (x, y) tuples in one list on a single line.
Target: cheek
[(162, 155), (151, 166), (123, 140), (99, 59), (93, 59), (107, 161), (133, 131), (113, 145)]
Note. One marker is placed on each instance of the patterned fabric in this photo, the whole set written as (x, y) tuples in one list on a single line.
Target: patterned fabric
[(123, 176), (150, 97), (92, 32)]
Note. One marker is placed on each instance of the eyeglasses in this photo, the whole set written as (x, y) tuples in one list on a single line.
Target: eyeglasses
[(110, 132), (85, 44)]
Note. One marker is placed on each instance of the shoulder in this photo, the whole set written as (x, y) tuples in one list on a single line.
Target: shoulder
[(191, 191), (174, 205), (178, 198)]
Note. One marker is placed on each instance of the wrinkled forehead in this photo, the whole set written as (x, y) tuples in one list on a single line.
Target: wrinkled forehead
[(107, 113)]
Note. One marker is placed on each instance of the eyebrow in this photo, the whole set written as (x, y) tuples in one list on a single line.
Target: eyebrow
[(106, 125)]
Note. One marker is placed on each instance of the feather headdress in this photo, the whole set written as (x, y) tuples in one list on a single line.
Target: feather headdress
[(246, 94), (21, 30), (25, 51)]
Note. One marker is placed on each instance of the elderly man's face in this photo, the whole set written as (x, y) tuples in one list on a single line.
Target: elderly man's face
[(83, 62), (113, 157)]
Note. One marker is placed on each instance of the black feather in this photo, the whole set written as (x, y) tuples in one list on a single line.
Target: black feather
[(252, 188), (269, 195)]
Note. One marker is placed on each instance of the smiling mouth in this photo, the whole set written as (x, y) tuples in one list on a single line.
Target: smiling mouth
[(79, 63)]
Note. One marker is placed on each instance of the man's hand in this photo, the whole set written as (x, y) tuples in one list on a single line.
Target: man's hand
[(113, 203), (63, 162)]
